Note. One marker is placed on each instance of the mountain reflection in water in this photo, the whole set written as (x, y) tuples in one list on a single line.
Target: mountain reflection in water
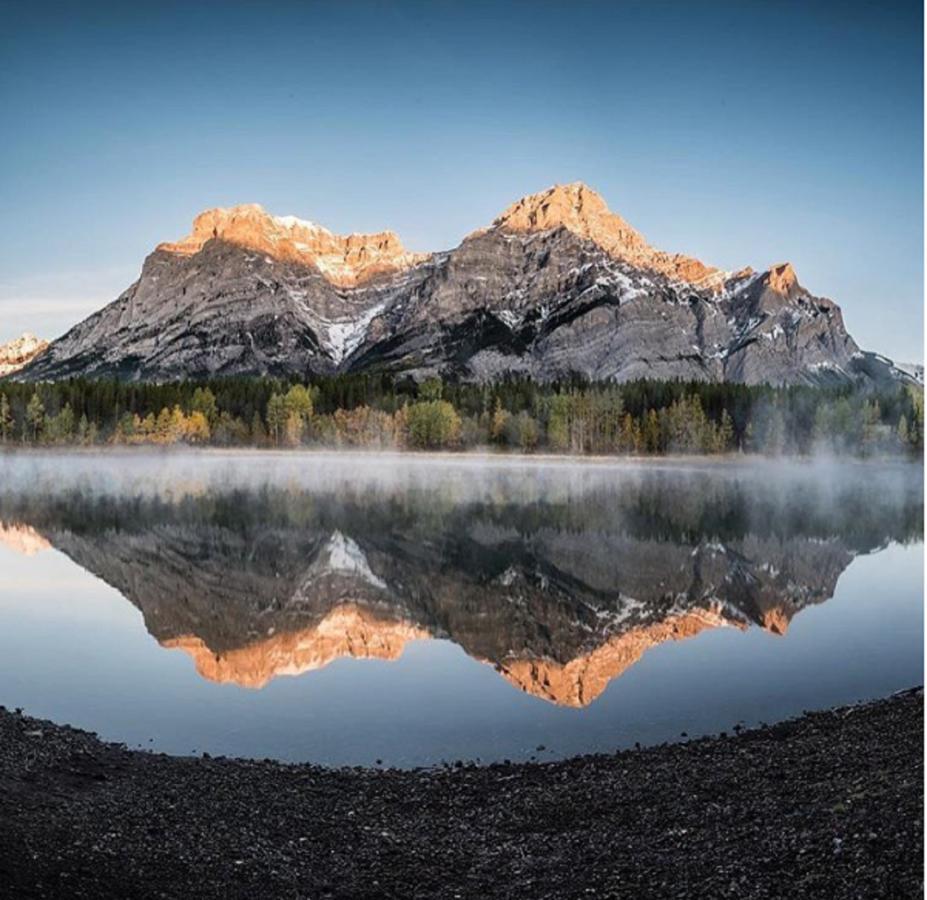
[(560, 585)]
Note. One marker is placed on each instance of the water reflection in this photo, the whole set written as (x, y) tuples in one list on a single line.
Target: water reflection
[(561, 583)]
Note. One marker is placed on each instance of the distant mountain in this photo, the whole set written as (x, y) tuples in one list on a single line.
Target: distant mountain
[(19, 352), (556, 286)]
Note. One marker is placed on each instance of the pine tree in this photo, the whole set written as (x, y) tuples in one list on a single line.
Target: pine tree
[(725, 433), (6, 418), (35, 414), (204, 401), (431, 389)]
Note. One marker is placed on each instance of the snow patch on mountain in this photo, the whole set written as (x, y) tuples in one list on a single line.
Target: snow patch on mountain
[(346, 335)]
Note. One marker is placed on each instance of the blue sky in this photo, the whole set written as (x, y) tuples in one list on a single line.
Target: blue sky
[(741, 133)]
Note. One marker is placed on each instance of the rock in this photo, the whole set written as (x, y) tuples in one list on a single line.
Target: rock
[(356, 590), (19, 352), (556, 286)]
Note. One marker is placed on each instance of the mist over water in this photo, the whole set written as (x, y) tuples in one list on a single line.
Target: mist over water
[(346, 608)]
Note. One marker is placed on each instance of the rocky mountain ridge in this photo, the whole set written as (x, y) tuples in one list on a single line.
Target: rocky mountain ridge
[(16, 354), (560, 584), (552, 621), (556, 286)]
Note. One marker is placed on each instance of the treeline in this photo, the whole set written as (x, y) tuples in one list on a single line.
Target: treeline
[(642, 417)]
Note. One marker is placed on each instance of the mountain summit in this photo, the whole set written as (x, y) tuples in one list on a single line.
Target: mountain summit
[(344, 260), (582, 211), (557, 286), (16, 354)]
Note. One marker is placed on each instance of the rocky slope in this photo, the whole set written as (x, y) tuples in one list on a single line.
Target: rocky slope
[(557, 285), (553, 627), (560, 596), (16, 354)]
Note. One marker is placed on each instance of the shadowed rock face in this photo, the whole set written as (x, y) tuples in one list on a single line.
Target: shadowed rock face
[(557, 286), (560, 595)]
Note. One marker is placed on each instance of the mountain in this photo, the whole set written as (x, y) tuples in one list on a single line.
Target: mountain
[(557, 620), (556, 286), (20, 352), (560, 592)]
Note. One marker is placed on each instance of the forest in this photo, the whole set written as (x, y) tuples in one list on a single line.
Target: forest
[(376, 411)]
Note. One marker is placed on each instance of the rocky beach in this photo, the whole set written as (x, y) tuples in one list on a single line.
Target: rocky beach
[(827, 805)]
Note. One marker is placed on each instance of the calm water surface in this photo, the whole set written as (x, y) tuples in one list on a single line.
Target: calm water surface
[(349, 609)]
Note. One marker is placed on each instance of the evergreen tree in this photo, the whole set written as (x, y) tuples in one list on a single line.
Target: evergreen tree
[(725, 433), (35, 415), (6, 418), (431, 389), (204, 401)]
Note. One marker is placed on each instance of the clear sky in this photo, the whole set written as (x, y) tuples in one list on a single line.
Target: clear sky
[(744, 133)]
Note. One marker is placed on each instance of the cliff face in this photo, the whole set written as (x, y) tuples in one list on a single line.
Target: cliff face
[(557, 285), (557, 615), (16, 354), (559, 580)]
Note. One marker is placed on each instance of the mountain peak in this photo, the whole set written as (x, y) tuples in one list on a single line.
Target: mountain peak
[(15, 354), (345, 260), (581, 210), (782, 278), (347, 630), (575, 206)]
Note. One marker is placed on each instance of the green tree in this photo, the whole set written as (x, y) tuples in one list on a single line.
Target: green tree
[(650, 432), (558, 422), (298, 401), (83, 429), (258, 431), (6, 418), (276, 416), (204, 401), (431, 389), (433, 424), (35, 414), (725, 433), (499, 422), (60, 429), (522, 431)]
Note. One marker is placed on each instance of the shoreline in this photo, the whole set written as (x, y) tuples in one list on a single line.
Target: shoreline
[(486, 455), (829, 804)]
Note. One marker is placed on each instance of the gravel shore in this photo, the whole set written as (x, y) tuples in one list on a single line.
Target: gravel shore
[(826, 806)]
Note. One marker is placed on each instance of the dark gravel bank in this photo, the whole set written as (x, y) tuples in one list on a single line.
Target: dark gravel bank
[(826, 806)]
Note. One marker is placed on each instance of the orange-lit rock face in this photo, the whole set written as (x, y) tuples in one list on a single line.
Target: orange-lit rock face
[(344, 260), (782, 278), (346, 631), (23, 539), (581, 210), (351, 631), (578, 682), (776, 620)]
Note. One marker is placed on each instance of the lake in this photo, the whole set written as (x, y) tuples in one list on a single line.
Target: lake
[(410, 610)]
